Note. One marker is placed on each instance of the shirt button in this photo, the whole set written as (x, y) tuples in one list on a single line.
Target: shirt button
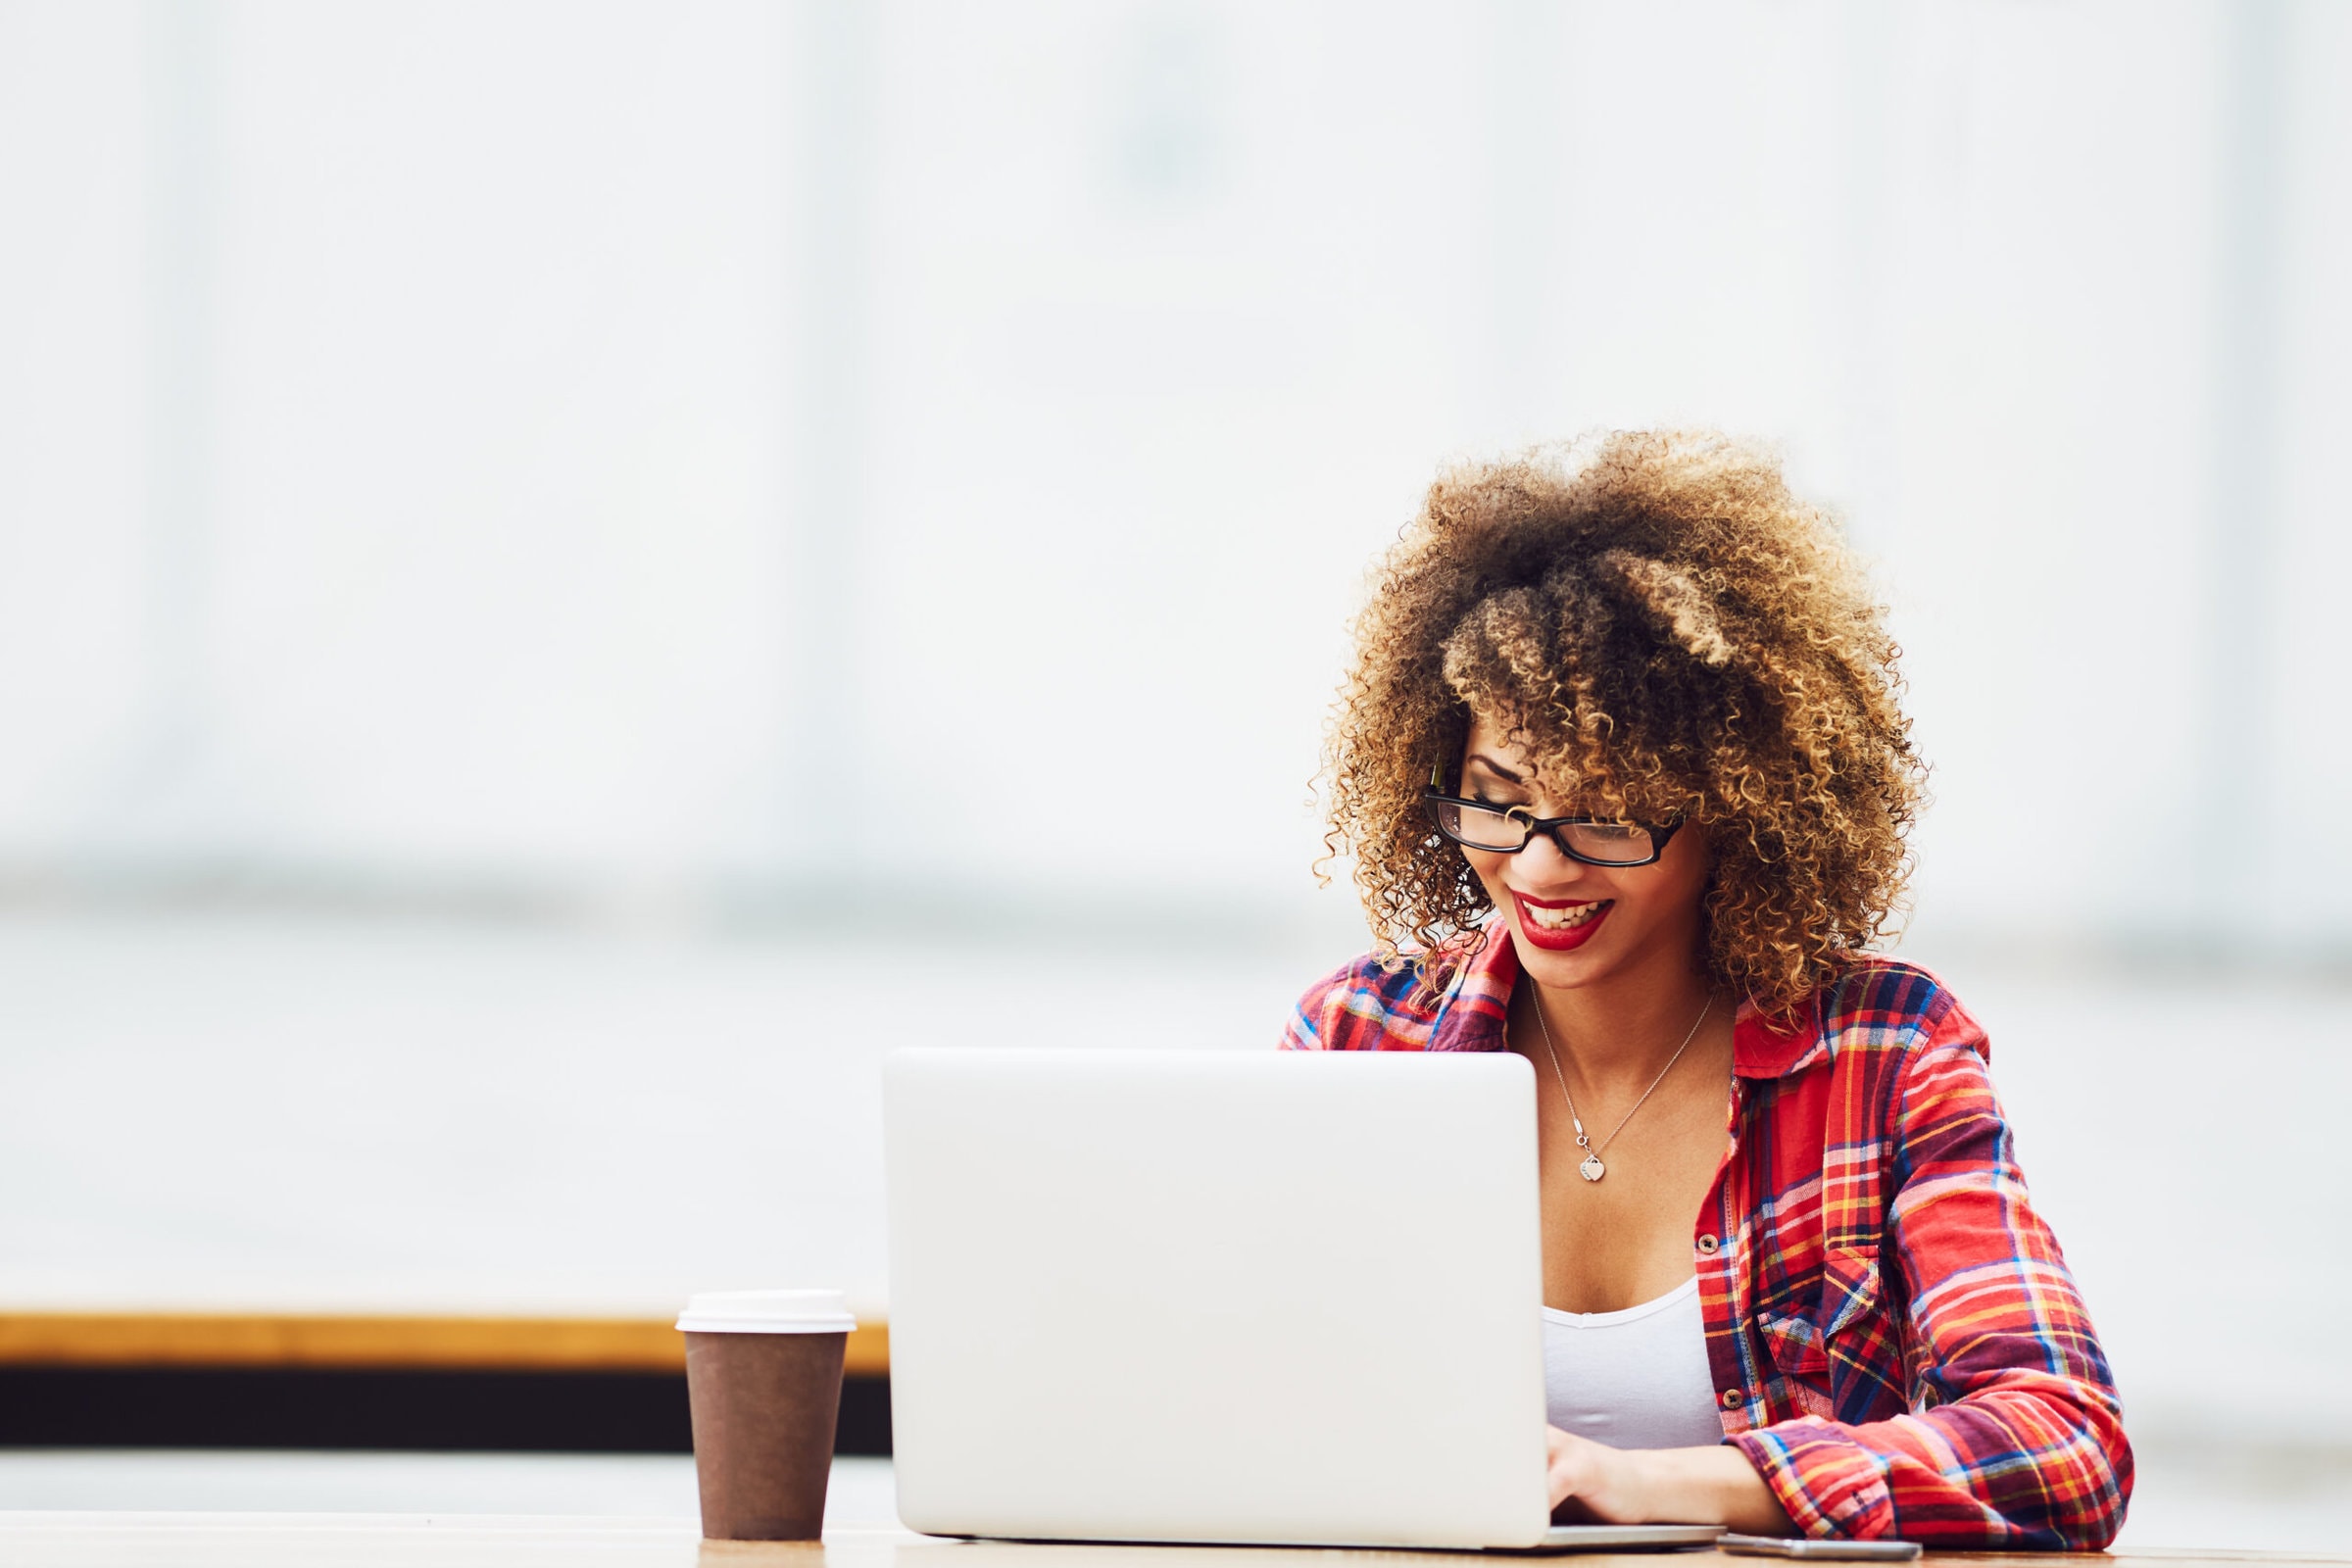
[(1707, 1244), (1731, 1398)]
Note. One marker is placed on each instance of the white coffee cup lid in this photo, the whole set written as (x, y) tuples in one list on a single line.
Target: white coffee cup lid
[(766, 1312)]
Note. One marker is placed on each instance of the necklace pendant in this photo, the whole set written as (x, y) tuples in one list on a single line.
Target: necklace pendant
[(1592, 1169)]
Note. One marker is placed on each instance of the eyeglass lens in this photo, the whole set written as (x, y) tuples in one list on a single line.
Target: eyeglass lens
[(1606, 842)]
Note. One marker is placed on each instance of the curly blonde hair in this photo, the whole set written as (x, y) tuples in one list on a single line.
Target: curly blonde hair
[(1660, 625)]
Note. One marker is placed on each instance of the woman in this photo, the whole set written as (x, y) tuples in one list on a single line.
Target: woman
[(1623, 772)]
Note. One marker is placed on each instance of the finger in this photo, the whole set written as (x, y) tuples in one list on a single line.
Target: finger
[(1568, 1466)]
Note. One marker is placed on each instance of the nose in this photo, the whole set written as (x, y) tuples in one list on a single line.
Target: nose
[(1545, 861)]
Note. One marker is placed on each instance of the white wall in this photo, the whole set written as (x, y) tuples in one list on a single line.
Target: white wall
[(521, 444)]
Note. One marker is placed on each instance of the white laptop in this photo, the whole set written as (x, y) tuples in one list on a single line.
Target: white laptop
[(1239, 1297)]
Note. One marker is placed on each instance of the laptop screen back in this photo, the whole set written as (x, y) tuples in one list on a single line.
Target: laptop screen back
[(1216, 1295)]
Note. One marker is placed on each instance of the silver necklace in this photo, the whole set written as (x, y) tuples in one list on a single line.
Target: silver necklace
[(1591, 1167)]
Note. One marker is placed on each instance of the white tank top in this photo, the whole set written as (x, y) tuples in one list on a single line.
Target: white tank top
[(1634, 1379)]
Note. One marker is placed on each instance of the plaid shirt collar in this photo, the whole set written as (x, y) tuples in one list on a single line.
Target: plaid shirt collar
[(1474, 1009)]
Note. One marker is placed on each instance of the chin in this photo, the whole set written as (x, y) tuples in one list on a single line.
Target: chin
[(1560, 970)]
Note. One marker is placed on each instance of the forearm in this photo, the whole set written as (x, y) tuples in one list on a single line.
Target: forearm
[(1706, 1485), (1664, 1486)]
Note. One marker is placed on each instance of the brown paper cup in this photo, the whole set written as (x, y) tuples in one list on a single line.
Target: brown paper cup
[(763, 1405)]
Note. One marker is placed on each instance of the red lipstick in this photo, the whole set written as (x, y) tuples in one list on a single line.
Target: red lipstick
[(1559, 941)]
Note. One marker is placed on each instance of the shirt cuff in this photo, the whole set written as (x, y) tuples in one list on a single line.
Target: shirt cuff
[(1831, 1485)]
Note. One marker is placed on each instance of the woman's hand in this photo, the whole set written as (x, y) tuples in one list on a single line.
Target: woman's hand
[(1599, 1479), (1659, 1486)]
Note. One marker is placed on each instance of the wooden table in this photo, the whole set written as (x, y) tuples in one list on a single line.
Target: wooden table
[(362, 1540)]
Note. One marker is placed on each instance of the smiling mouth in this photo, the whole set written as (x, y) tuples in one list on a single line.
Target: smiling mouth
[(1563, 917)]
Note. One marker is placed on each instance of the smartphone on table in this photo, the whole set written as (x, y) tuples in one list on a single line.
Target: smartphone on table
[(1805, 1546)]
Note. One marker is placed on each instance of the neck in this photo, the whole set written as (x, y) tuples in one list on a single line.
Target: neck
[(1625, 1027)]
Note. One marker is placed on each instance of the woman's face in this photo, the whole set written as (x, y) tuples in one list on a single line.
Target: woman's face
[(1576, 924)]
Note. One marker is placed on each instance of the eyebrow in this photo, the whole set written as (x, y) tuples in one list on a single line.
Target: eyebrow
[(1494, 768)]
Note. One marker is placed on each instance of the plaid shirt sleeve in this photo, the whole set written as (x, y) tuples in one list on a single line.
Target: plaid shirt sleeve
[(1364, 1006), (2015, 1434)]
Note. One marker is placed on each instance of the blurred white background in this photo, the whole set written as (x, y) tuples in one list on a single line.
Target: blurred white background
[(561, 568)]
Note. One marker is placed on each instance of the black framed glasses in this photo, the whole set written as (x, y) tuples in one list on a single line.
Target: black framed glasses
[(1507, 829)]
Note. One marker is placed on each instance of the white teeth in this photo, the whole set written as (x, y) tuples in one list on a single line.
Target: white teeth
[(1563, 919)]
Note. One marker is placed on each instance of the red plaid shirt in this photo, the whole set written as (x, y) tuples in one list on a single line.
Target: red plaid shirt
[(1898, 1345)]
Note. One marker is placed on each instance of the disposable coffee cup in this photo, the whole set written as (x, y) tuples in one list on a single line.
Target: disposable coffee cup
[(763, 1388)]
